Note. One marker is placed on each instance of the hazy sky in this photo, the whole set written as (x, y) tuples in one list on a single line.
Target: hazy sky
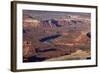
[(51, 14)]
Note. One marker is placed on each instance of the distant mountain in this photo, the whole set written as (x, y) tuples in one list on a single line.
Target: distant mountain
[(43, 15)]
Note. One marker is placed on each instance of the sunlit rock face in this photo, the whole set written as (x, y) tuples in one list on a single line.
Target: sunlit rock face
[(31, 23), (27, 49)]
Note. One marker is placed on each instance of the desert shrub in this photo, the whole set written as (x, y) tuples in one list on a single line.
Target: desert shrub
[(84, 47)]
